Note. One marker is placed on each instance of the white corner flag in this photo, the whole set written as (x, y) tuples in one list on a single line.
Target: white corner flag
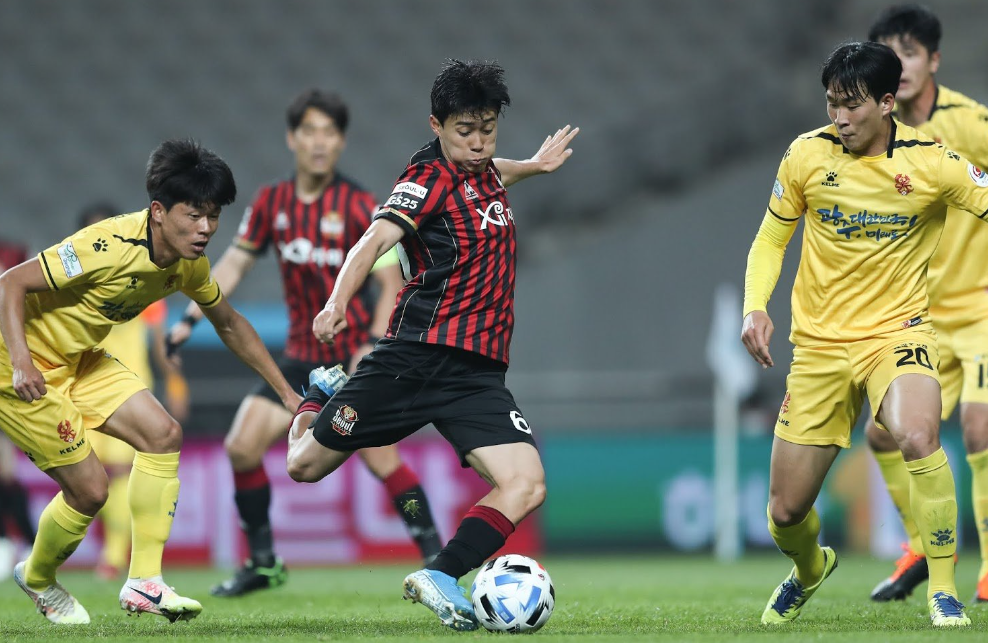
[(735, 378)]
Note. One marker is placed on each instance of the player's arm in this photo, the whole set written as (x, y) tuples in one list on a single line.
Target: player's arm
[(785, 207), (380, 237), (760, 277), (387, 273), (241, 338), (228, 272), (549, 158), (15, 284)]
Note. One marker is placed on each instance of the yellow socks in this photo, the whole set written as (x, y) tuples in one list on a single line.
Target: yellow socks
[(116, 524), (897, 477), (979, 494), (153, 494), (934, 505), (60, 531), (799, 543)]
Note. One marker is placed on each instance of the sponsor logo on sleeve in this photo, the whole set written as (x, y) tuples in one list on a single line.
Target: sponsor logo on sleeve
[(977, 175), (70, 260), (411, 188), (778, 190), (406, 196)]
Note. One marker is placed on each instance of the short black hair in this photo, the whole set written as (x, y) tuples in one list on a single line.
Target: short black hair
[(96, 211), (182, 171), (862, 69), (329, 103), (913, 20), (470, 87)]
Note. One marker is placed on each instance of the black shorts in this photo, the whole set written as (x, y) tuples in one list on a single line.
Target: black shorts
[(404, 385), (297, 374)]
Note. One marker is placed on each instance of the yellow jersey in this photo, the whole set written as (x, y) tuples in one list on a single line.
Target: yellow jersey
[(128, 342), (871, 226), (100, 276), (958, 272)]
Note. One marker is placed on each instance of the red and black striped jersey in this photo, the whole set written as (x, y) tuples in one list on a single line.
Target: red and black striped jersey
[(460, 243), (311, 241)]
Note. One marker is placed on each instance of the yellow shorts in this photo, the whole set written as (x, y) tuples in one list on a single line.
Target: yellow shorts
[(827, 383), (963, 364), (52, 431)]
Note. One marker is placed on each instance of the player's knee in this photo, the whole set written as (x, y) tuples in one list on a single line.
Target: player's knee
[(302, 468), (785, 514), (974, 423), (166, 437), (529, 490), (88, 499), (918, 442), (243, 456)]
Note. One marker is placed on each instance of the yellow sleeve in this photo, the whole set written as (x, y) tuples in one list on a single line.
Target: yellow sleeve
[(389, 258), (964, 185), (84, 257), (765, 261), (785, 207), (199, 285)]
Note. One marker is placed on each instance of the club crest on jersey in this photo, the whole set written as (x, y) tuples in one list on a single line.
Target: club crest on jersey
[(65, 432), (344, 419), (281, 221), (495, 214), (902, 184), (468, 192), (331, 224), (70, 260), (977, 175)]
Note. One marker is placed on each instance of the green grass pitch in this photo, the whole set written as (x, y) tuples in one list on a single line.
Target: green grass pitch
[(641, 598)]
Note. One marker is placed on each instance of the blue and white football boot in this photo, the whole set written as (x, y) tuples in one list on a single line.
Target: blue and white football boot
[(440, 593)]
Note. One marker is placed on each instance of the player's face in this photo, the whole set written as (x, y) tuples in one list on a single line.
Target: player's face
[(467, 140), (317, 143), (918, 66), (185, 230), (860, 122)]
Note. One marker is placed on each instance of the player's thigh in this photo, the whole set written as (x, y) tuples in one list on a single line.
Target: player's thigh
[(507, 465), (102, 386), (143, 423), (796, 476), (50, 431), (903, 385), (953, 370), (258, 423), (822, 400)]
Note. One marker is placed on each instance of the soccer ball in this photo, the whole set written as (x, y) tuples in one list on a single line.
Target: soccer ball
[(513, 593)]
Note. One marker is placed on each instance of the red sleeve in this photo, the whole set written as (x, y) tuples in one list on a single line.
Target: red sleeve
[(419, 194), (254, 233)]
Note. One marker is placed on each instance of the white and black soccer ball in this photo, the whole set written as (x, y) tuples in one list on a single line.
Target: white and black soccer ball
[(513, 593)]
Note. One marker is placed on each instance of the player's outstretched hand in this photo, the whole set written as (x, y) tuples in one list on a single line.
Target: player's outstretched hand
[(755, 335), (177, 335), (555, 149), (29, 383), (330, 321)]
